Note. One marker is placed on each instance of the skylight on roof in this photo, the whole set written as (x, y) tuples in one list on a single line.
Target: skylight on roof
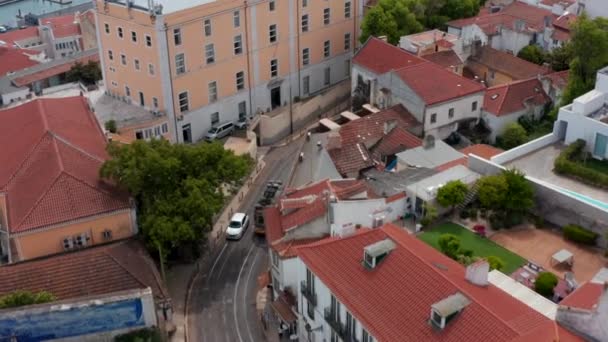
[(494, 97)]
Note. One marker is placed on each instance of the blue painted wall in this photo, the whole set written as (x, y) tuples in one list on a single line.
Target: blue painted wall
[(75, 321)]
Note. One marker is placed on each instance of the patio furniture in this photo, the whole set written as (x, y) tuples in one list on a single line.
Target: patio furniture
[(563, 256)]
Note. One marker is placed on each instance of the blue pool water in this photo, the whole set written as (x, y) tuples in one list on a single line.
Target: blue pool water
[(587, 199)]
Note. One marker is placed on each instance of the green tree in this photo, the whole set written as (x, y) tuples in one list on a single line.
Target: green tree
[(560, 57), (589, 47), (21, 298), (520, 195), (88, 73), (178, 188), (456, 9), (532, 53), (449, 245), (545, 283), (430, 214), (391, 18), (491, 191), (495, 262), (110, 126), (452, 193), (513, 135)]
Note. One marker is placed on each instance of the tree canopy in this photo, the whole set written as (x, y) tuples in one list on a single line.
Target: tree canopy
[(21, 298), (532, 53), (508, 191), (545, 283), (589, 49), (179, 188), (513, 135), (452, 193), (396, 18), (88, 73)]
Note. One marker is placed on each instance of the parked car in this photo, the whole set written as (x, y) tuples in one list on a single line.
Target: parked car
[(3, 29), (242, 123), (237, 226), (219, 131)]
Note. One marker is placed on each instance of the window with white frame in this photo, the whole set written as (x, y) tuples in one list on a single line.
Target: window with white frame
[(274, 68), (151, 69), (107, 28), (123, 59), (272, 33), (272, 5), (236, 19), (120, 32), (305, 56), (155, 104), (326, 16), (209, 53), (180, 63), (347, 41), (347, 10), (110, 55), (207, 26), (164, 128), (177, 36), (183, 102), (136, 64), (127, 91), (212, 91), (304, 23), (304, 3), (240, 80), (134, 36), (326, 48), (238, 45), (148, 41)]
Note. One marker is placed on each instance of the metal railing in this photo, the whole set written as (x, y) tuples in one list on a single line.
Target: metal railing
[(308, 293)]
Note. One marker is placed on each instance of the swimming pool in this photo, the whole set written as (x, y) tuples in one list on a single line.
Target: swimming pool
[(587, 199)]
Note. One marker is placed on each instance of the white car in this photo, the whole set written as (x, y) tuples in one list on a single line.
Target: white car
[(237, 226)]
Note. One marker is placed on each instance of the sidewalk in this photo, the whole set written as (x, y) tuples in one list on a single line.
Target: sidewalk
[(181, 277)]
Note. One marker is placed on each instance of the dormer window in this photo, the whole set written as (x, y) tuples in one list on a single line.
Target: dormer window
[(376, 252), (447, 309)]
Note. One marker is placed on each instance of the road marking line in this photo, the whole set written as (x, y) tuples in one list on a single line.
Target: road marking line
[(255, 260), (236, 288), (216, 260)]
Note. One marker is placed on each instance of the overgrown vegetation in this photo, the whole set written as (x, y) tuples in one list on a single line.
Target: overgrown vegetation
[(495, 262), (545, 283), (21, 298), (571, 162), (558, 59), (579, 234), (452, 194), (396, 18), (430, 215), (512, 136), (178, 188), (141, 335), (88, 73), (110, 126)]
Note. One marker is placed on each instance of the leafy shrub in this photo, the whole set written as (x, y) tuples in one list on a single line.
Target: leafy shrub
[(566, 164), (141, 335), (495, 262), (464, 213), (449, 245), (111, 126), (497, 220), (21, 298), (579, 234), (545, 283), (513, 135), (513, 219)]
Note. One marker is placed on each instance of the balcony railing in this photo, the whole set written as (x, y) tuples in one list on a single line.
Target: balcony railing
[(308, 293), (338, 327)]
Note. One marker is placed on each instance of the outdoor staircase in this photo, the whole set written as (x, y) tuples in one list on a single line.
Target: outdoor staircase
[(469, 198)]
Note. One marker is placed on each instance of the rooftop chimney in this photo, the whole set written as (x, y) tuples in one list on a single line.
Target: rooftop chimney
[(334, 141), (477, 273), (383, 38)]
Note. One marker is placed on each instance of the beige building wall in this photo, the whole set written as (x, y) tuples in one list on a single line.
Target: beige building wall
[(261, 91)]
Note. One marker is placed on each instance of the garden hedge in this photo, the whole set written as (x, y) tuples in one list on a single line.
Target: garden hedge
[(579, 234), (565, 164)]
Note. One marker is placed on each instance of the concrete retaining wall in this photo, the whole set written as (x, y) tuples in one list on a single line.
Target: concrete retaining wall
[(524, 149)]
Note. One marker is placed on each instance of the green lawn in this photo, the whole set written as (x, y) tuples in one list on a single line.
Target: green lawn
[(481, 247)]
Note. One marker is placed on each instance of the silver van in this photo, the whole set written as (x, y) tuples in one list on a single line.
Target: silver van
[(219, 131)]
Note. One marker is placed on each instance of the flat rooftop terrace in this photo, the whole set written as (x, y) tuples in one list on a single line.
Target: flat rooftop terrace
[(539, 165)]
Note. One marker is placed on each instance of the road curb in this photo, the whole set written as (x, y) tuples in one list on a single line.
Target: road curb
[(197, 272)]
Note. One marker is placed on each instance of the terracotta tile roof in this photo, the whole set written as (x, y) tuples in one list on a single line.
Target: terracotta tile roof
[(98, 270), (352, 158), (558, 79), (282, 306), (18, 35), (585, 297), (53, 71), (553, 2), (396, 141), (532, 16), (63, 26), (393, 301), (370, 129), (508, 64), (561, 35), (460, 161), (446, 59), (380, 57), (316, 209), (514, 97), (433, 84), (53, 151), (346, 188), (564, 22), (13, 59), (481, 150), (444, 43)]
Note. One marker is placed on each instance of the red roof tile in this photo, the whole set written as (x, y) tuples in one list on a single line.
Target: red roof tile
[(13, 59), (94, 271), (63, 26), (346, 188), (481, 150), (460, 161), (564, 22), (396, 141), (585, 297), (351, 158), (514, 97), (558, 79), (17, 35), (508, 64), (54, 149), (446, 59), (561, 35), (370, 129), (380, 57), (53, 71), (435, 85), (393, 301)]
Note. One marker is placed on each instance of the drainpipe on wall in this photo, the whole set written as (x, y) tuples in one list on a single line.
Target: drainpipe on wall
[(165, 28), (248, 60)]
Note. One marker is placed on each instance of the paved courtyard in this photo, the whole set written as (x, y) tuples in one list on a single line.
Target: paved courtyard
[(539, 245)]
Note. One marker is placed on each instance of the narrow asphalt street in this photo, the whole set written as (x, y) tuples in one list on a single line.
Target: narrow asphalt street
[(222, 303)]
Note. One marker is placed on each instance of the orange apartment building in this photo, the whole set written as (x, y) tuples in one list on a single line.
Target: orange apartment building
[(51, 196), (203, 62)]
